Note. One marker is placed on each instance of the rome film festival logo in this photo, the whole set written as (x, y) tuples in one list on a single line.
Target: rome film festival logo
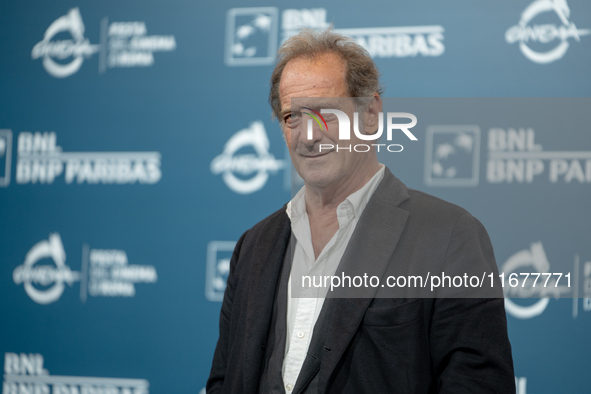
[(105, 272), (122, 45), (545, 34), (532, 260), (246, 172), (76, 48), (29, 273)]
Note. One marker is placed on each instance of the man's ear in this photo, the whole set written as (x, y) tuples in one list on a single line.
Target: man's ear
[(372, 114)]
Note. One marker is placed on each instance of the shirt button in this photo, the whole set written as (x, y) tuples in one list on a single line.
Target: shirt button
[(288, 387), (301, 334)]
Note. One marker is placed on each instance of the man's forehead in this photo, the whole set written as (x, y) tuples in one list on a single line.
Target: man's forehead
[(318, 103), (328, 60), (319, 76)]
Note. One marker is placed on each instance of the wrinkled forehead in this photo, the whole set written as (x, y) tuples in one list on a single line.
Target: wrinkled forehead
[(319, 103), (320, 76), (329, 67)]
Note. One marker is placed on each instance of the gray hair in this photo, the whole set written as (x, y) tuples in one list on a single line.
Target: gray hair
[(362, 75)]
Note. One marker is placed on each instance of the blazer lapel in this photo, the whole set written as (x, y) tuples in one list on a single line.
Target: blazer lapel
[(262, 283), (371, 246)]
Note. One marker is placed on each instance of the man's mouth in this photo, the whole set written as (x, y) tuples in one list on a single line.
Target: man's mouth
[(317, 155)]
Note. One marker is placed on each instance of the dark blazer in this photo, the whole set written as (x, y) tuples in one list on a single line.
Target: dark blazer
[(374, 345)]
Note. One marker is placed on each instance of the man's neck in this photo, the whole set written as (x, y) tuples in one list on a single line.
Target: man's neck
[(322, 204)]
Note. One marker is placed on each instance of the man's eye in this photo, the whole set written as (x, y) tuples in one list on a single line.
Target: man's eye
[(292, 117)]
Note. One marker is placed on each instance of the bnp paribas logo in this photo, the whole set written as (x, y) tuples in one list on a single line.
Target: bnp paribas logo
[(452, 155), (251, 36)]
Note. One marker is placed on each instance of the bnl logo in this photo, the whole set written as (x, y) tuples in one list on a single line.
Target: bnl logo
[(5, 158), (219, 254), (452, 155), (251, 36)]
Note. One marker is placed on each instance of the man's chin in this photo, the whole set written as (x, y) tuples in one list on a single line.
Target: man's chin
[(318, 177)]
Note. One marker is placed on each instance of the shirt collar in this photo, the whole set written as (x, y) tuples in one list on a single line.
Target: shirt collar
[(297, 206), (360, 198)]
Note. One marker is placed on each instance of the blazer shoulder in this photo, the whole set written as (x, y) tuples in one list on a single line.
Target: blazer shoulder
[(434, 209), (276, 217), (417, 203), (260, 239), (424, 209), (273, 222)]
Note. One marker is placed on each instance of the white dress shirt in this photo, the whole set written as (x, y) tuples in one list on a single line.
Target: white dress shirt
[(302, 313)]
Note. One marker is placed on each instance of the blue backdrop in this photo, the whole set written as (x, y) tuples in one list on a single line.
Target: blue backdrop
[(136, 146)]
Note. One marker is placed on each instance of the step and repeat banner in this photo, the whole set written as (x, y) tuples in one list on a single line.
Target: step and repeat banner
[(136, 146)]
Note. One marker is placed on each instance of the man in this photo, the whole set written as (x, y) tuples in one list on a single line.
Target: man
[(352, 215)]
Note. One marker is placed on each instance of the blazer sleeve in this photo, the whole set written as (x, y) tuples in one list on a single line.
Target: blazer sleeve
[(470, 346), (215, 382)]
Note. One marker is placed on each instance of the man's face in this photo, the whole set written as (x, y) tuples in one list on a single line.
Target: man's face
[(322, 77)]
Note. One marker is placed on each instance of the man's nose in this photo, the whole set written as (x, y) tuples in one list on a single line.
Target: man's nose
[(311, 133)]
